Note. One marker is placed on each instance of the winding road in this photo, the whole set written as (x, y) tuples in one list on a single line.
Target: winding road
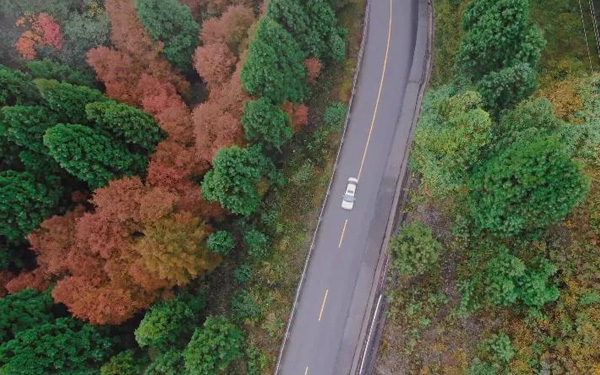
[(329, 325)]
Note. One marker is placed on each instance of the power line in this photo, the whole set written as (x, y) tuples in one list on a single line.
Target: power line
[(595, 25), (587, 44)]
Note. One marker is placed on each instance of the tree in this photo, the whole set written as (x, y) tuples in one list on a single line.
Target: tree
[(22, 311), (507, 87), (452, 133), (123, 363), (26, 125), (68, 101), (313, 25), (531, 184), (44, 31), (497, 35), (221, 242), (266, 124), (231, 28), (235, 177), (49, 69), (24, 204), (173, 24), (256, 243), (90, 155), (274, 67), (335, 115), (213, 347), (174, 248), (17, 88), (214, 63), (414, 250), (63, 347), (128, 124), (168, 363), (164, 324), (313, 69)]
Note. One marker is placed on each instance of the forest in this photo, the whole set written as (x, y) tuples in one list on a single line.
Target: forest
[(495, 268), (149, 154)]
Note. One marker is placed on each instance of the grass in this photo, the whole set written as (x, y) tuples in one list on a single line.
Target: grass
[(426, 331), (290, 213)]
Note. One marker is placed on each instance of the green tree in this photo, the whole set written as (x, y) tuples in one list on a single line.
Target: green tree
[(449, 140), (22, 311), (313, 25), (172, 23), (266, 124), (91, 156), (123, 363), (335, 115), (213, 347), (67, 100), (274, 67), (235, 177), (24, 204), (168, 363), (497, 35), (128, 124), (164, 324), (414, 250), (49, 69), (25, 125), (245, 307), (221, 242), (17, 88), (507, 87), (64, 347), (531, 184)]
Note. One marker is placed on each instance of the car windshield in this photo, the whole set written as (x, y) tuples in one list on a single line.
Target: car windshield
[(349, 197)]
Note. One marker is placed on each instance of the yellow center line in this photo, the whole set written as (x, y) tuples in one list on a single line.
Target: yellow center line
[(306, 371), (385, 62), (323, 305), (342, 236)]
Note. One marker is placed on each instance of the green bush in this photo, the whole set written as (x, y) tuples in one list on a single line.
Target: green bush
[(335, 115), (168, 363), (507, 87), (221, 242), (243, 274), (245, 307), (414, 250), (164, 324), (266, 124), (257, 244), (67, 100)]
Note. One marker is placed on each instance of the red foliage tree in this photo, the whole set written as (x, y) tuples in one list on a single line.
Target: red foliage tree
[(231, 28), (298, 114), (214, 129), (37, 279), (5, 277), (214, 63), (313, 69), (44, 31)]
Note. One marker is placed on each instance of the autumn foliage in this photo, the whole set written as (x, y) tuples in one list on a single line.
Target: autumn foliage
[(43, 31)]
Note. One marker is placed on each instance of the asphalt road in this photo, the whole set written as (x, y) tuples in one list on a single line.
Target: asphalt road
[(333, 301)]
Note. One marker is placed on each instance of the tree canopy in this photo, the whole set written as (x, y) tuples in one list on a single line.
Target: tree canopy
[(266, 124)]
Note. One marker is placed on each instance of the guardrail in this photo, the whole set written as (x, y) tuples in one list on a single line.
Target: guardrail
[(337, 157)]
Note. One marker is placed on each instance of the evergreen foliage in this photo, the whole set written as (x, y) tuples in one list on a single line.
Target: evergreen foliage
[(17, 88), (22, 311), (221, 242), (266, 124), (67, 100), (164, 324), (414, 250)]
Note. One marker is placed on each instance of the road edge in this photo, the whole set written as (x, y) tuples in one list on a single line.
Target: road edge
[(368, 345), (359, 61)]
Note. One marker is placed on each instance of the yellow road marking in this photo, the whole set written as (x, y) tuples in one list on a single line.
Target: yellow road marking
[(323, 305), (385, 62), (343, 232), (306, 371)]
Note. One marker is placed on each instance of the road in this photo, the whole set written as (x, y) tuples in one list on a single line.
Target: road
[(333, 301)]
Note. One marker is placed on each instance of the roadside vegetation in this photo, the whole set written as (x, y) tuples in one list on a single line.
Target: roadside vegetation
[(158, 187), (495, 269)]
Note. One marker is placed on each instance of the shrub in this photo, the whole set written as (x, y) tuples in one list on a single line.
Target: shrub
[(335, 115), (213, 347), (164, 324), (414, 250), (266, 124), (221, 242), (507, 87), (168, 363), (257, 244), (242, 274), (244, 307)]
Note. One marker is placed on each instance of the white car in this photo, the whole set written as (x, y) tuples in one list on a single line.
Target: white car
[(350, 195)]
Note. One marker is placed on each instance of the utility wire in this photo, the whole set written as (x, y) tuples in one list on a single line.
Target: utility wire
[(587, 44), (595, 24)]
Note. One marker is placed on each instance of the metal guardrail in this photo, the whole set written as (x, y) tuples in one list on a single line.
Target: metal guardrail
[(343, 136)]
